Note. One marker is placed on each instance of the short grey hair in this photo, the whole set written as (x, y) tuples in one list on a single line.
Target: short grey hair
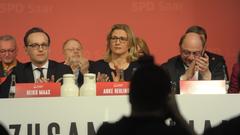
[(7, 38)]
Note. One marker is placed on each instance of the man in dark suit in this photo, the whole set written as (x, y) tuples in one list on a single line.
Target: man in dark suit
[(203, 33), (194, 62), (8, 54), (73, 55), (40, 69)]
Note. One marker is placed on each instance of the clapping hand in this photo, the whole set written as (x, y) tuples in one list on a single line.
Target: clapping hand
[(189, 72), (44, 80), (102, 77), (202, 65)]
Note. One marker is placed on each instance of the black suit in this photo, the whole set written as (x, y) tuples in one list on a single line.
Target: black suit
[(24, 74), (175, 68)]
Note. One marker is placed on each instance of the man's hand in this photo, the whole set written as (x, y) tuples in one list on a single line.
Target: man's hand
[(44, 80), (189, 72), (202, 65), (84, 65)]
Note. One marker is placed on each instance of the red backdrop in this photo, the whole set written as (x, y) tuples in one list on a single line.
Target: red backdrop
[(160, 22)]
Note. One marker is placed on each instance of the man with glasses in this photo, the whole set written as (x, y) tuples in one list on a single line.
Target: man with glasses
[(193, 63), (73, 55), (8, 54), (40, 69), (215, 58)]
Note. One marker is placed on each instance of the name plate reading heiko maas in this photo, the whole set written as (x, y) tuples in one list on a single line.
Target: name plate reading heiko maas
[(37, 90), (112, 88)]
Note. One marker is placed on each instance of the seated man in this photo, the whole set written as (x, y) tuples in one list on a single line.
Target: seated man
[(151, 104), (194, 62), (8, 54), (202, 32), (40, 68), (73, 55)]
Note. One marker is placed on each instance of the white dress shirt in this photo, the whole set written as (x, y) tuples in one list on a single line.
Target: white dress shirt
[(36, 73)]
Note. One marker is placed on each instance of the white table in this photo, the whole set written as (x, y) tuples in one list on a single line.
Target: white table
[(84, 113)]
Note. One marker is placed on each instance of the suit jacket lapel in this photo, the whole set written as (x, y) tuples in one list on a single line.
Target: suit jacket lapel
[(180, 67), (29, 73), (50, 71)]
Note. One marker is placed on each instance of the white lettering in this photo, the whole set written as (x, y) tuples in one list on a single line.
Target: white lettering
[(32, 92), (44, 92), (107, 91), (121, 90)]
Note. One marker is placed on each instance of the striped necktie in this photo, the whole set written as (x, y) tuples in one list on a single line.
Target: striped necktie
[(41, 72)]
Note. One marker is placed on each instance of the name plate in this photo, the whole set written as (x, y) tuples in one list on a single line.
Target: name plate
[(24, 90), (112, 88), (203, 87)]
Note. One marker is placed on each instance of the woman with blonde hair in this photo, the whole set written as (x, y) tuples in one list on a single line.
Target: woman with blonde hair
[(141, 47), (119, 61)]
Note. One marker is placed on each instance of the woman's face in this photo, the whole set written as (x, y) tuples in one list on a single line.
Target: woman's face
[(119, 43)]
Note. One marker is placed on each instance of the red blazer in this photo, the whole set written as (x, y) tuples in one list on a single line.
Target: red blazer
[(234, 82)]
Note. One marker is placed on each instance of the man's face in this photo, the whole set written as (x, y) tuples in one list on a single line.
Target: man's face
[(119, 43), (191, 48), (38, 48), (72, 49), (8, 51)]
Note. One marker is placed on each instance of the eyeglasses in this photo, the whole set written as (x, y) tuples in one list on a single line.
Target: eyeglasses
[(73, 49), (188, 53), (121, 39), (2, 51), (36, 46)]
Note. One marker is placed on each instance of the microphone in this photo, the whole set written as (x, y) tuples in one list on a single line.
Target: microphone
[(224, 72), (225, 77)]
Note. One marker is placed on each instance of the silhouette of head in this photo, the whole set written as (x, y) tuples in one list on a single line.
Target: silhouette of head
[(149, 87)]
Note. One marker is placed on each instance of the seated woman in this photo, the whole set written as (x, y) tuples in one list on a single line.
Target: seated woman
[(234, 86), (141, 47), (119, 61)]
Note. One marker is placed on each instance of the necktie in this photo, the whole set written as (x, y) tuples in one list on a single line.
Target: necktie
[(41, 72)]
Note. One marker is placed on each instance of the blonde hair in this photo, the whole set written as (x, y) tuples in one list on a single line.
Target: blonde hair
[(131, 42), (143, 45)]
